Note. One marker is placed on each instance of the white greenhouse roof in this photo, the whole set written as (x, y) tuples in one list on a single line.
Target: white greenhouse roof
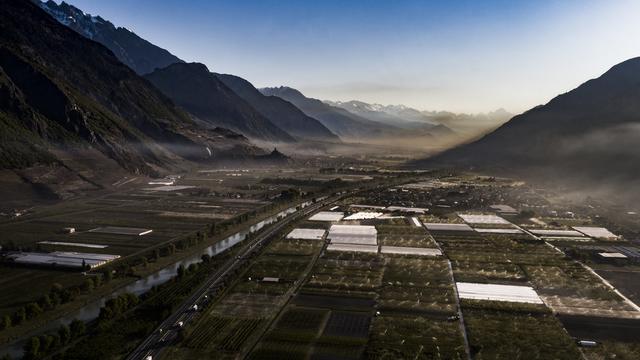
[(482, 219), (363, 215), (306, 234), (352, 247), (409, 251), (448, 227), (596, 232), (551, 232), (496, 292), (327, 216)]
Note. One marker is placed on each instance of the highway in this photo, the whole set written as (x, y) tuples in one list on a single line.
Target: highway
[(167, 332)]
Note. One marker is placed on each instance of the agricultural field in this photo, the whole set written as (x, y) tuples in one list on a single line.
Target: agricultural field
[(516, 333), (254, 299)]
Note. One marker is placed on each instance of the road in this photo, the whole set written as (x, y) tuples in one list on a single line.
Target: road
[(167, 332)]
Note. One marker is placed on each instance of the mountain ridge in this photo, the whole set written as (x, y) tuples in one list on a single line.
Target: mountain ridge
[(137, 53), (199, 91), (585, 133), (282, 112)]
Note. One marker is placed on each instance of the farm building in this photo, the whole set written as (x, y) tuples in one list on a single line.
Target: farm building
[(504, 209), (402, 250), (63, 259), (596, 232), (353, 247), (447, 227), (410, 210), (499, 231), (483, 219), (353, 234), (306, 234), (496, 292), (363, 215), (116, 230), (552, 232), (327, 216)]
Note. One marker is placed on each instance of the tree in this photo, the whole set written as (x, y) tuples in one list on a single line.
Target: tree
[(181, 271), (46, 303), (107, 275), (77, 328), (46, 343), (32, 348), (65, 334), (87, 285), (20, 316), (97, 281), (33, 310), (6, 322)]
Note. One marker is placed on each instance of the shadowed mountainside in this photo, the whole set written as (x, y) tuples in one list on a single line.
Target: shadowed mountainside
[(589, 134), (279, 111), (200, 92)]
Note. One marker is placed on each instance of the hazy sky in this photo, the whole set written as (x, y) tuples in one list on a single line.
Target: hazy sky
[(467, 56)]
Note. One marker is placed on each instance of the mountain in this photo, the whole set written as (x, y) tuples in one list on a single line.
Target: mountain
[(397, 115), (469, 124), (201, 93), (338, 120), (281, 112), (62, 94), (137, 53), (588, 134)]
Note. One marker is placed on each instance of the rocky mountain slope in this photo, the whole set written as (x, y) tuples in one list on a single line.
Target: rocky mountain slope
[(137, 53)]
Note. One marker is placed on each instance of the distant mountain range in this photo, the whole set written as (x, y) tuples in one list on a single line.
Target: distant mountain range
[(209, 98), (281, 112), (396, 115), (588, 134), (200, 92), (137, 53), (338, 120), (62, 93)]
